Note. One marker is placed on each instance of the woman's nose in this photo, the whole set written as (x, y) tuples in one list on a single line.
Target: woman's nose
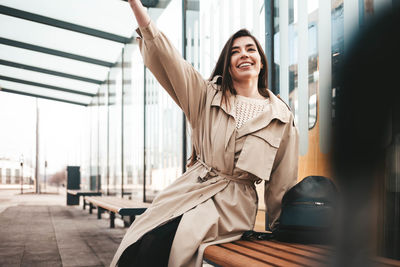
[(244, 54)]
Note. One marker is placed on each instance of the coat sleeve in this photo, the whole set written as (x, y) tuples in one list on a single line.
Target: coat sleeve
[(284, 173), (178, 77)]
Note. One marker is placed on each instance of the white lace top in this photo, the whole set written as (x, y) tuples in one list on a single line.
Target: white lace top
[(247, 108)]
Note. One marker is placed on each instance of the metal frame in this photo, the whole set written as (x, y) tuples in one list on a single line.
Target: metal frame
[(184, 139), (47, 71), (6, 90), (17, 13), (269, 42), (55, 52), (10, 79), (62, 24)]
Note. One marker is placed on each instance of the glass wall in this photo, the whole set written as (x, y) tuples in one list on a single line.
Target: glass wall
[(133, 120), (219, 20), (163, 118)]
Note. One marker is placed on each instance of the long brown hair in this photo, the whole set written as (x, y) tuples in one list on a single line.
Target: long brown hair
[(222, 69)]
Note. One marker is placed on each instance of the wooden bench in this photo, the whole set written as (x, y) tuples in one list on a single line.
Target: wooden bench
[(273, 253), (126, 208), (73, 195)]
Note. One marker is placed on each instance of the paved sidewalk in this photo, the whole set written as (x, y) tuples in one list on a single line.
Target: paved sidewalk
[(40, 230)]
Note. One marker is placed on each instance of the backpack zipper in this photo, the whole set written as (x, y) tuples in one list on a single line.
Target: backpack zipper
[(316, 203)]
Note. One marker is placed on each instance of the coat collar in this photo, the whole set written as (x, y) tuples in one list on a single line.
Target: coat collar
[(277, 110)]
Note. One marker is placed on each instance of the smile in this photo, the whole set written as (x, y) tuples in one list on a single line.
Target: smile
[(245, 64)]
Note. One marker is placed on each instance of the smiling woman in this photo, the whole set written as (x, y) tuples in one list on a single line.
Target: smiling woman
[(241, 134)]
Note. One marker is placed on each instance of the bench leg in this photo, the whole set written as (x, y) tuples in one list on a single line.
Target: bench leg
[(128, 220), (84, 203), (112, 219), (90, 208), (99, 212)]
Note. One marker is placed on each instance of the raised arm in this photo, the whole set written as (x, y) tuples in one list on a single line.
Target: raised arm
[(178, 77), (140, 12)]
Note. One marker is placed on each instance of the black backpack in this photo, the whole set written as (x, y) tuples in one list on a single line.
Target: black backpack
[(309, 211)]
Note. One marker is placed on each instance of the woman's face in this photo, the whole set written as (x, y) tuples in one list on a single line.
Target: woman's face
[(245, 59)]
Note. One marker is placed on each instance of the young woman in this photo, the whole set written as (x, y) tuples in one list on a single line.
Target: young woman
[(241, 134)]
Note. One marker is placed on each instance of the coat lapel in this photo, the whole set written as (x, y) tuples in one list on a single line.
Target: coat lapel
[(228, 109), (277, 109)]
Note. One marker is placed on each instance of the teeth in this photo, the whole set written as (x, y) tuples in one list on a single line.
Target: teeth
[(244, 65)]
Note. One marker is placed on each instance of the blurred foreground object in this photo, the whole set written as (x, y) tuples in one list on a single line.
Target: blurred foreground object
[(366, 142)]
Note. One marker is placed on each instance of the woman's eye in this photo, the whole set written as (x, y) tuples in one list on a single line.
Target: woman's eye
[(234, 52), (252, 49)]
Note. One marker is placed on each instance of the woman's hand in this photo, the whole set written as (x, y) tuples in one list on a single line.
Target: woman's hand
[(140, 12)]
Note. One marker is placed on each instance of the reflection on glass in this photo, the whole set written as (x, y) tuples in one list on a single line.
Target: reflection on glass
[(293, 59), (313, 74), (275, 64), (337, 47)]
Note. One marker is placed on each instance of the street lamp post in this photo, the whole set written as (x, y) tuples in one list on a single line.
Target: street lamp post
[(21, 160), (45, 167)]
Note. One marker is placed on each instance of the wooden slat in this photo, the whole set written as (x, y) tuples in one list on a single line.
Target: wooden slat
[(227, 258), (255, 254), (294, 258), (306, 248), (116, 204), (293, 250)]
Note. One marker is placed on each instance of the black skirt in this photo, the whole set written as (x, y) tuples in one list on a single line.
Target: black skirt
[(153, 249)]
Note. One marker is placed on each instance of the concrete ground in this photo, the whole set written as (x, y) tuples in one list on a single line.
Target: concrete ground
[(40, 230)]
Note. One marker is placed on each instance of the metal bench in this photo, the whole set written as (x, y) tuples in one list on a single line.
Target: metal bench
[(73, 196), (274, 253), (126, 208)]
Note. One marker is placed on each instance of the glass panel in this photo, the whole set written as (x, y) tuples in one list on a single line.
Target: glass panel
[(276, 86), (103, 135), (293, 62), (55, 38), (115, 129), (284, 50), (96, 14), (325, 76), (48, 79), (216, 17), (192, 50), (133, 121), (302, 109), (313, 72), (337, 47), (163, 117), (50, 62), (94, 143)]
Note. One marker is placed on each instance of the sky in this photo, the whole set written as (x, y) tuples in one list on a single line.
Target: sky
[(62, 131)]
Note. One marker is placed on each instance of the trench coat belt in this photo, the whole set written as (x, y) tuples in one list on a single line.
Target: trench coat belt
[(210, 172)]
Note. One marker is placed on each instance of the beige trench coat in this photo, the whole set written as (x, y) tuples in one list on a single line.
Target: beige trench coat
[(216, 196)]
